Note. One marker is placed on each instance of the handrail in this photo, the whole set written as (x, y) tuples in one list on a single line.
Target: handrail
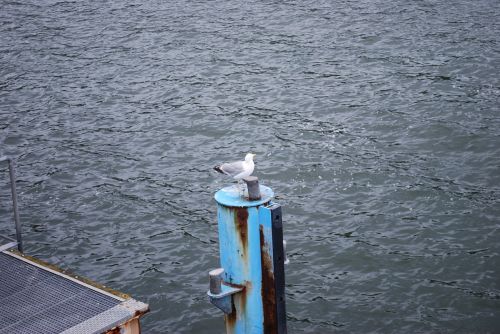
[(14, 200)]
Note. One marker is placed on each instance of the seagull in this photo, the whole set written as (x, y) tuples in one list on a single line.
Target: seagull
[(238, 169)]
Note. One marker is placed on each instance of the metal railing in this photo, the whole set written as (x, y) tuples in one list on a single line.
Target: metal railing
[(11, 242)]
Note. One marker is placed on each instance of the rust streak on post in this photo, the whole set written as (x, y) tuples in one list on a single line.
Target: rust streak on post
[(243, 298), (132, 326), (240, 299), (241, 225), (231, 319), (268, 290)]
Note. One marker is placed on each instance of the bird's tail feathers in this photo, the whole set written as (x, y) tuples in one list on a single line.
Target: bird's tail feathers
[(218, 169)]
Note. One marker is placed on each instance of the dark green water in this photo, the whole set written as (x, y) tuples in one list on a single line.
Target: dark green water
[(376, 123)]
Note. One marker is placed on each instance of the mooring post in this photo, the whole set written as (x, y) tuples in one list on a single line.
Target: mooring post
[(252, 284)]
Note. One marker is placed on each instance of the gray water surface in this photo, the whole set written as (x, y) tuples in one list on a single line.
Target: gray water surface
[(376, 123)]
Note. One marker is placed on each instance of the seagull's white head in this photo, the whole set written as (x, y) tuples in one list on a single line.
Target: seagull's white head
[(249, 157)]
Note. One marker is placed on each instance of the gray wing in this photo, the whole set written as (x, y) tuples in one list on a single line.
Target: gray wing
[(232, 168)]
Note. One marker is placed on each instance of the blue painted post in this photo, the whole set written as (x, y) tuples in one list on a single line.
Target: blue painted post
[(252, 263)]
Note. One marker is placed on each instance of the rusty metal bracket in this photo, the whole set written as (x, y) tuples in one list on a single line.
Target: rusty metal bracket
[(224, 300), (279, 260), (220, 293)]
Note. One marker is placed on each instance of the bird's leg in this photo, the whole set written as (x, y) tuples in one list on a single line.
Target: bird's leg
[(238, 186), (241, 188), (241, 191)]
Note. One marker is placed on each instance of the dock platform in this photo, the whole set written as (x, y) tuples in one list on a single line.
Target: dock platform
[(36, 297)]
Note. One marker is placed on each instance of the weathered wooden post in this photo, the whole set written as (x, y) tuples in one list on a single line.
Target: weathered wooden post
[(250, 285)]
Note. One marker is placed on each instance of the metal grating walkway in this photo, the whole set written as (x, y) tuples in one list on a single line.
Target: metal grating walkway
[(37, 300)]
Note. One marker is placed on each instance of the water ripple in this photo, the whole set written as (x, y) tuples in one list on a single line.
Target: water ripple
[(375, 123)]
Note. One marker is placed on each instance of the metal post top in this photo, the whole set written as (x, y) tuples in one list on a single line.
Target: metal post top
[(231, 196)]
